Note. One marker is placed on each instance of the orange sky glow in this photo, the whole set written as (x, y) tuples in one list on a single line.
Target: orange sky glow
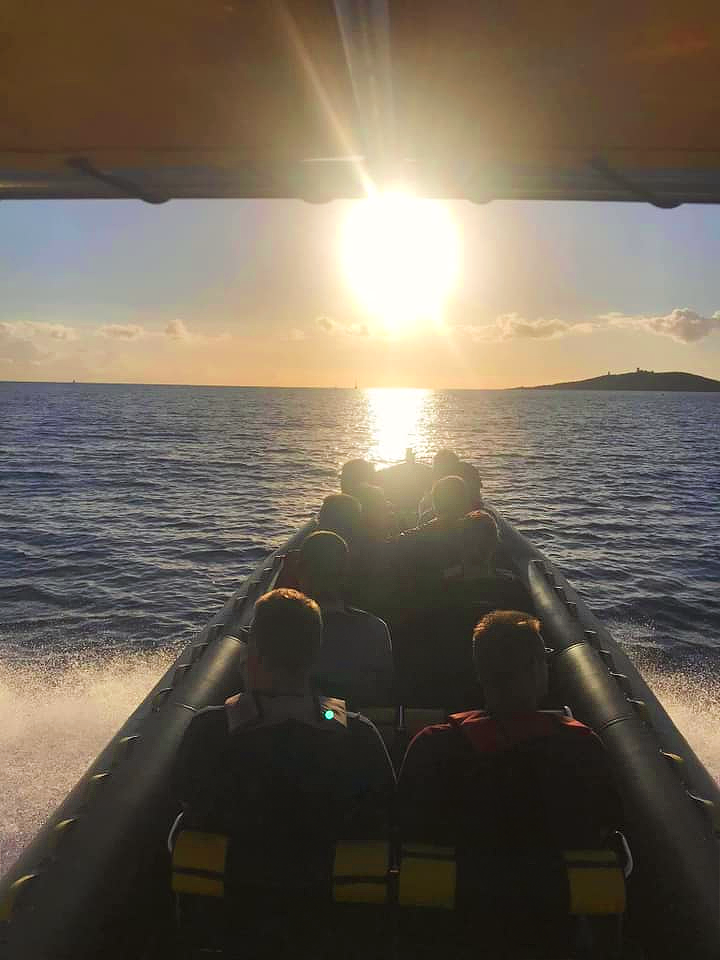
[(291, 294)]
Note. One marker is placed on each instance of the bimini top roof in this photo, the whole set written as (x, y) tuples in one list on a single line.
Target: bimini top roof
[(314, 99)]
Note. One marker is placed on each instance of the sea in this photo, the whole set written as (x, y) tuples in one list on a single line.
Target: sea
[(128, 514)]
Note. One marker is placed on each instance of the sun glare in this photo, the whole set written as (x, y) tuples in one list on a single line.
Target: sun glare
[(398, 420), (401, 258)]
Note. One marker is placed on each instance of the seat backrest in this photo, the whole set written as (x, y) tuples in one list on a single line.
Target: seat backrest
[(355, 661), (499, 837), (572, 882), (288, 792), (214, 914), (398, 725), (432, 651), (417, 718), (385, 720), (546, 792), (360, 872)]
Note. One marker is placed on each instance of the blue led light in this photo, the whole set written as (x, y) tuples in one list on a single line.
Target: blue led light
[(329, 714)]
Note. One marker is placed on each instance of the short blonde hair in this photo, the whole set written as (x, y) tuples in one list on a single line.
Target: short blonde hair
[(506, 645), (287, 630)]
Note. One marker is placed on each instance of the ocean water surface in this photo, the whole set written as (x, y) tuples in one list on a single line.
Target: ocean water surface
[(129, 513)]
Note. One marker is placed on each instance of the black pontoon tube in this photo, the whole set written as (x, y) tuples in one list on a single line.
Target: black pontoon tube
[(93, 882), (672, 803)]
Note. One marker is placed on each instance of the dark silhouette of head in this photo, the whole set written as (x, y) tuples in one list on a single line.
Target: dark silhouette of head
[(355, 472), (446, 463), (479, 540), (322, 566), (473, 483), (510, 663), (450, 499), (285, 638), (340, 513), (376, 513)]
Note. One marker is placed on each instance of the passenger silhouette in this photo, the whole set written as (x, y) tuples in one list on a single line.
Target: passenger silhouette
[(277, 765), (511, 777), (282, 776), (355, 660), (341, 514), (355, 472)]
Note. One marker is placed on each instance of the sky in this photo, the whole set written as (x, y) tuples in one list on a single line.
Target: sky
[(268, 293)]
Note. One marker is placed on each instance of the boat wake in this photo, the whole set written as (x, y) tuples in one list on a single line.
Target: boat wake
[(686, 681), (55, 716)]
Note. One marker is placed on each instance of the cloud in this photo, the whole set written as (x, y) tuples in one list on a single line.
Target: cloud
[(682, 325), (349, 328), (177, 330), (57, 331), (122, 331), (32, 329), (511, 326), (514, 327), (26, 341), (15, 349)]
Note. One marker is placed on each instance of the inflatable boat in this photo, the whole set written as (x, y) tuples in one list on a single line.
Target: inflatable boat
[(95, 881), (246, 100)]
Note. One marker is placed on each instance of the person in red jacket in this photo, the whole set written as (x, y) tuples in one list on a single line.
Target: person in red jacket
[(511, 780)]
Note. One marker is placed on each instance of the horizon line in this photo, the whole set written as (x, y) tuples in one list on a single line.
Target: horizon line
[(241, 386), (289, 386)]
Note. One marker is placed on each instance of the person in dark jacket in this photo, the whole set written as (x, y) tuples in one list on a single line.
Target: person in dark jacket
[(377, 521), (355, 660), (282, 772), (425, 551), (510, 776), (446, 463)]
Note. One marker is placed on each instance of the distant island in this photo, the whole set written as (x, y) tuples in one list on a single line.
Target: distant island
[(639, 380)]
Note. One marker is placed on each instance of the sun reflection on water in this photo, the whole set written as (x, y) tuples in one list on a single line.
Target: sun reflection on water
[(398, 421)]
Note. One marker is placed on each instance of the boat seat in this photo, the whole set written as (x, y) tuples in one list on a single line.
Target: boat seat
[(417, 718), (432, 653), (398, 725), (558, 896), (578, 882), (570, 900), (216, 910), (386, 721), (360, 868)]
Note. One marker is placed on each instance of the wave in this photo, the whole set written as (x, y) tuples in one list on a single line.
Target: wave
[(56, 713)]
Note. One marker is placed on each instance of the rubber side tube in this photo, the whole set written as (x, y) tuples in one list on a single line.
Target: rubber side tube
[(97, 886), (671, 801), (94, 881)]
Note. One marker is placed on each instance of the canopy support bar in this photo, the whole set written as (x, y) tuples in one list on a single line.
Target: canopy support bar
[(364, 27), (126, 187), (639, 193)]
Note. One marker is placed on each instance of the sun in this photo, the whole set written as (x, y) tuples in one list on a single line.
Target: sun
[(401, 258)]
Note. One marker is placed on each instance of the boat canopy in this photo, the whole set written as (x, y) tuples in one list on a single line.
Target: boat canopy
[(315, 99)]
